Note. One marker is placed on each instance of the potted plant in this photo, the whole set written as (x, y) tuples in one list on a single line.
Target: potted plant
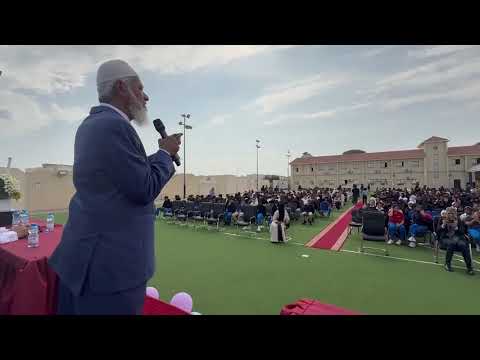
[(9, 191)]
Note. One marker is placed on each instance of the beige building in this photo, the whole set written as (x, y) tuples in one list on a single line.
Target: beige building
[(433, 163), (50, 187)]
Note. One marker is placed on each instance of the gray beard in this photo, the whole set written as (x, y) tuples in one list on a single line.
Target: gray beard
[(140, 116)]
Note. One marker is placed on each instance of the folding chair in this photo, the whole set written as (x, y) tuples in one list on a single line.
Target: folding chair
[(179, 212), (216, 213), (356, 221), (374, 229), (203, 212), (249, 212)]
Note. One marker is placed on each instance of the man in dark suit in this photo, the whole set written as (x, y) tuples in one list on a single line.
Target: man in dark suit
[(106, 255)]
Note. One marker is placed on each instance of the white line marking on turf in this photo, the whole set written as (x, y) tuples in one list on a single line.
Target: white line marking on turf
[(398, 258), (264, 239)]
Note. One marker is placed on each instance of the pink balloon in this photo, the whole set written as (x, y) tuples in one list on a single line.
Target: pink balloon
[(152, 292), (183, 301)]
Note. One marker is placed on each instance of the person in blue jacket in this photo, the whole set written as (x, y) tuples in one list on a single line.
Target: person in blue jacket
[(106, 254)]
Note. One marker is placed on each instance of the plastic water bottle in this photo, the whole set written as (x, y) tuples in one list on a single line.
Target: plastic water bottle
[(50, 222), (24, 217), (33, 240), (16, 218)]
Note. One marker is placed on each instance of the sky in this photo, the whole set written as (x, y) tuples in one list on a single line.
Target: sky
[(318, 99)]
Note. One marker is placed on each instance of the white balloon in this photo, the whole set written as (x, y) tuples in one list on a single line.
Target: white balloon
[(152, 292)]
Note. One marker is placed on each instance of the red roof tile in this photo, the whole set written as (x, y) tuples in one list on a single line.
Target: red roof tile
[(386, 155), (464, 150)]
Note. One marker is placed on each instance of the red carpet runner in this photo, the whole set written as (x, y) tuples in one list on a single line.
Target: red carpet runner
[(335, 234)]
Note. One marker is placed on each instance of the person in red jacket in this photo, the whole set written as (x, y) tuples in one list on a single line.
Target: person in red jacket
[(396, 221)]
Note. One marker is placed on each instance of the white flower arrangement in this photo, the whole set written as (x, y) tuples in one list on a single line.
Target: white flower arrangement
[(9, 187)]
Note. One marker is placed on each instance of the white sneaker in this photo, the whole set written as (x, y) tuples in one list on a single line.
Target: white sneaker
[(399, 242), (390, 242), (412, 239), (412, 244)]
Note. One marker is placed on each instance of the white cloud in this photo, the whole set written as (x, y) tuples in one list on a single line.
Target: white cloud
[(181, 59), (27, 114), (51, 70), (218, 120), (315, 115), (56, 69), (439, 50), (69, 114), (466, 93), (449, 77), (295, 92), (378, 50)]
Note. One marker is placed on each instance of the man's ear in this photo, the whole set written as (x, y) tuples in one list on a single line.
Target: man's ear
[(121, 87)]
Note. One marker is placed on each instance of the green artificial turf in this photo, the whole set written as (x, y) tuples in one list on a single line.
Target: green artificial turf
[(228, 274)]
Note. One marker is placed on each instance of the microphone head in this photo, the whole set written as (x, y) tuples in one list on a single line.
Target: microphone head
[(158, 125)]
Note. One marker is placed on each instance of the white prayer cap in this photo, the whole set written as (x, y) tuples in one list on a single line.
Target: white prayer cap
[(114, 70)]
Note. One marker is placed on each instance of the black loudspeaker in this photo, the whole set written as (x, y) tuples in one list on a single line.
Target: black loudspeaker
[(6, 218)]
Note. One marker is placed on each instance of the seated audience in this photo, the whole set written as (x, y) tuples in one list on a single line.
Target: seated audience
[(165, 208), (279, 225), (307, 213), (396, 227), (421, 223), (450, 234)]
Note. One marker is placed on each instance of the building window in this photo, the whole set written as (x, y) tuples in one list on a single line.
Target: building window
[(478, 160), (457, 161), (436, 175), (296, 169), (370, 164), (435, 147), (386, 164), (403, 164), (312, 169)]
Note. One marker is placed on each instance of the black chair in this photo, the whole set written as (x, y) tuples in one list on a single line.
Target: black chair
[(204, 210), (374, 229), (189, 210), (215, 214), (179, 213), (428, 237), (248, 218), (168, 215), (194, 212), (356, 221)]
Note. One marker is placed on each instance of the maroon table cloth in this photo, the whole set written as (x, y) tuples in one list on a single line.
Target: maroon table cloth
[(27, 285)]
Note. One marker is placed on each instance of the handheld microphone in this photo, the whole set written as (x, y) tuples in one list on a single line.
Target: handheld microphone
[(161, 130)]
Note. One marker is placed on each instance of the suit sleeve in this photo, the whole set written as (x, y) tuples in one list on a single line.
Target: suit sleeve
[(139, 178)]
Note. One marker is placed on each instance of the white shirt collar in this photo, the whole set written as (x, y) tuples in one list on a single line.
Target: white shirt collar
[(117, 110)]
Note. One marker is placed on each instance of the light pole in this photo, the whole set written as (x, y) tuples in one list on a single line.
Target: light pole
[(288, 169), (185, 127), (258, 147)]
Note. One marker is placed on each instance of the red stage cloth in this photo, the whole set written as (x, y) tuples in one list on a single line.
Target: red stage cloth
[(27, 285), (158, 307), (314, 307)]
